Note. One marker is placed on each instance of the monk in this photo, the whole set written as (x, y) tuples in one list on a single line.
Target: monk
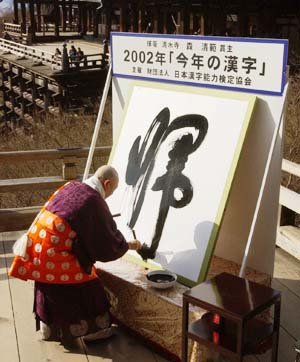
[(73, 230)]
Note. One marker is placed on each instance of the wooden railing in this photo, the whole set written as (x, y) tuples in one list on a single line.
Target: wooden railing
[(288, 235), (20, 218), (18, 33), (47, 58), (88, 61), (12, 28)]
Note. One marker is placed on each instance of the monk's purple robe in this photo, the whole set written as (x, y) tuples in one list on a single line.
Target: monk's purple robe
[(98, 239)]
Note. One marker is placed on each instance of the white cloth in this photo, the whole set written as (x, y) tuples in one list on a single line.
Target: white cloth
[(95, 184)]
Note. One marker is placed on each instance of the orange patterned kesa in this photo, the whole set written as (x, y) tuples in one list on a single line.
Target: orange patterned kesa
[(49, 257)]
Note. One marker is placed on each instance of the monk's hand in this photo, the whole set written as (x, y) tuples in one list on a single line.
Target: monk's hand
[(134, 245)]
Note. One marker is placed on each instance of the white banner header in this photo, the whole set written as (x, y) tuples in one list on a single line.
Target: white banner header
[(242, 64)]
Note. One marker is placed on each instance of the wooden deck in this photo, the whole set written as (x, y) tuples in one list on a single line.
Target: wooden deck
[(19, 342)]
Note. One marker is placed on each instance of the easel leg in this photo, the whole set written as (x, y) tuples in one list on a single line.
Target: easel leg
[(185, 321), (276, 330)]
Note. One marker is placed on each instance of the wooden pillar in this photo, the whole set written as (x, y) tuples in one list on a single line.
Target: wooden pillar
[(69, 169), (108, 19), (243, 19), (22, 89), (46, 95), (202, 25), (79, 22), (142, 25), (32, 20), (70, 14), (135, 18), (165, 21), (205, 19), (219, 21), (84, 18), (23, 16), (155, 19), (186, 17), (16, 12), (123, 15), (39, 16), (64, 15), (179, 23), (95, 22), (88, 20), (57, 18)]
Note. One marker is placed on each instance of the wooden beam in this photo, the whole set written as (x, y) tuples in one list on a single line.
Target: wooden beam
[(291, 167), (31, 184), (288, 239), (290, 199), (51, 154), (17, 219)]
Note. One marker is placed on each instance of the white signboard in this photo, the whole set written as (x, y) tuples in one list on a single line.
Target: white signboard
[(243, 64), (176, 156)]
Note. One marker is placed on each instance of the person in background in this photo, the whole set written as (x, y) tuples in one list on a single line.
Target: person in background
[(73, 230), (79, 57), (80, 54), (72, 54)]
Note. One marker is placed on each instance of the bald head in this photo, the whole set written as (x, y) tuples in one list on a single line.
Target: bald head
[(109, 178)]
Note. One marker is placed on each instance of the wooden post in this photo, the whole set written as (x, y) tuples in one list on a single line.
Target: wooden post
[(95, 22), (23, 15), (22, 89), (57, 17), (186, 17), (69, 169), (178, 21), (70, 15), (141, 17), (64, 15), (32, 20), (79, 21), (16, 12), (84, 19), (39, 16), (135, 19), (202, 25), (46, 95), (123, 15), (243, 19), (205, 29), (108, 19), (155, 19), (165, 20)]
